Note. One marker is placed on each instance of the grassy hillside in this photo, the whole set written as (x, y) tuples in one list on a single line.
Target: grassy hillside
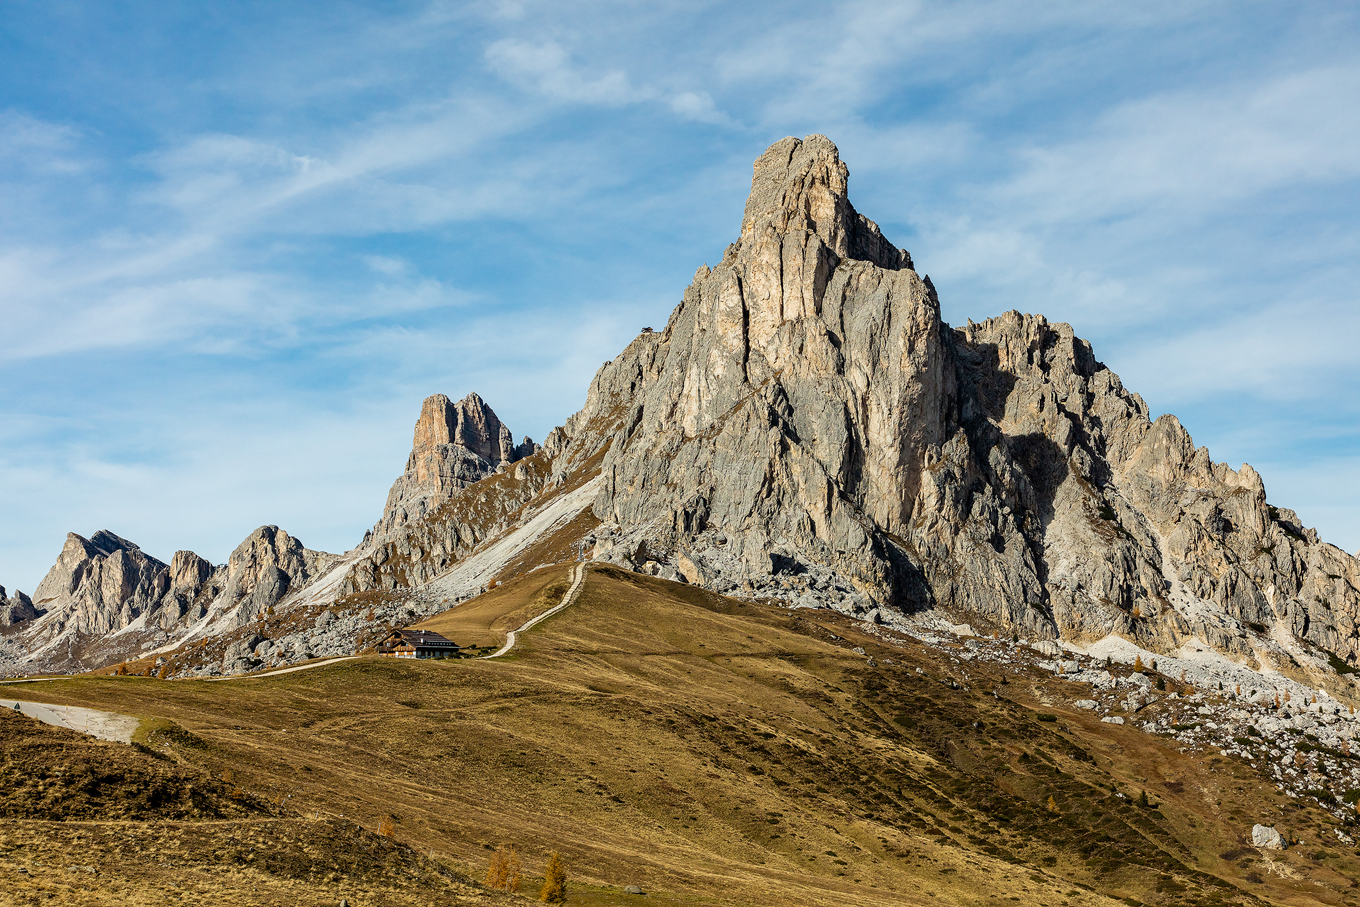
[(484, 620), (88, 823), (715, 751)]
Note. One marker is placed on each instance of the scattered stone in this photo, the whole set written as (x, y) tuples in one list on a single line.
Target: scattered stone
[(1267, 838), (633, 889)]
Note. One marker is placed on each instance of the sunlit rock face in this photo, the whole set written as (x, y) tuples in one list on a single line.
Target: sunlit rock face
[(455, 445), (105, 586), (806, 426)]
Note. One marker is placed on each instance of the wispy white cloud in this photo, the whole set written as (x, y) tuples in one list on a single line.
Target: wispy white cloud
[(546, 67), (1188, 151), (468, 196), (31, 144)]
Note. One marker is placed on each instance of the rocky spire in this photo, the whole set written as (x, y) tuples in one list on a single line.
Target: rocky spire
[(802, 187), (797, 389), (455, 444), (469, 424)]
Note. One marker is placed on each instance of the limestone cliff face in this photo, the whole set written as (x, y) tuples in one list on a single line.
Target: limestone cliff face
[(106, 584), (1113, 523), (794, 397), (807, 426), (15, 609), (455, 445), (261, 572), (100, 584)]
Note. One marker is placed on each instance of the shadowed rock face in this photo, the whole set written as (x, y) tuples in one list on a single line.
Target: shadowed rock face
[(807, 426), (455, 445), (15, 609)]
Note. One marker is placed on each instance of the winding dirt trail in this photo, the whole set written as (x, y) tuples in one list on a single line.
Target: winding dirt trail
[(278, 671), (572, 592)]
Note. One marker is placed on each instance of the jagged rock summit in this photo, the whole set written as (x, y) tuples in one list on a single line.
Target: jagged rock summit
[(15, 609), (455, 445), (105, 599), (807, 426)]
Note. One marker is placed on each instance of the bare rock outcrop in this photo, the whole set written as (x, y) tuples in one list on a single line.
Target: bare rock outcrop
[(416, 552), (807, 426), (262, 570), (100, 584), (455, 445), (16, 609), (105, 599)]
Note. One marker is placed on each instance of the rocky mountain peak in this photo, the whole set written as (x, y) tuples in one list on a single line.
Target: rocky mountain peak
[(801, 188), (105, 542), (15, 609), (807, 426), (469, 423), (455, 445)]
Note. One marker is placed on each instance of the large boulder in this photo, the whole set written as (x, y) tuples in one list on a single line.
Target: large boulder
[(1267, 838)]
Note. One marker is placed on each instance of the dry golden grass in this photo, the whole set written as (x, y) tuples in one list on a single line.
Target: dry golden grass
[(87, 822), (719, 752), (485, 620), (261, 862)]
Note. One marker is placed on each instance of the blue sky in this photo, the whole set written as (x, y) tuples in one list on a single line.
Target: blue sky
[(240, 242)]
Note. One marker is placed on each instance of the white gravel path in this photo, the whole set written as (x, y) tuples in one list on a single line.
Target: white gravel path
[(306, 667), (104, 725), (572, 592)]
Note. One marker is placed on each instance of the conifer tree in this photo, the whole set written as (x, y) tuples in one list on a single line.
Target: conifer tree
[(554, 881), (503, 873)]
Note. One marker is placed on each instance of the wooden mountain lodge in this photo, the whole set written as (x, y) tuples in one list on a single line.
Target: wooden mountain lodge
[(418, 644)]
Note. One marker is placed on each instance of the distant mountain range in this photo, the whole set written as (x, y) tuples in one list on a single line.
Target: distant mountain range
[(805, 428)]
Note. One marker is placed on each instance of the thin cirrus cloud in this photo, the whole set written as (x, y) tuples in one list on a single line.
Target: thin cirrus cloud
[(546, 68), (1189, 151), (27, 143), (266, 271)]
